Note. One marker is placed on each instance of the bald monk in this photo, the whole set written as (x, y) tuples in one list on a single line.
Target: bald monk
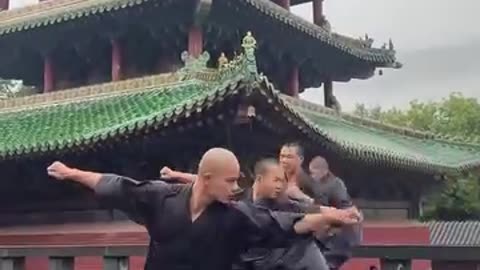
[(328, 189), (268, 190), (195, 226)]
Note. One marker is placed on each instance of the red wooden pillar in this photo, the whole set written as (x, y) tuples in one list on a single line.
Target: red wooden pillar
[(48, 74), (116, 60), (136, 262), (36, 263), (4, 4), (327, 93), (283, 3), (195, 41), (293, 84), (87, 262), (318, 17)]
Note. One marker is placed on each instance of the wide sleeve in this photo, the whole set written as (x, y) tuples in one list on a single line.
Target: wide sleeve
[(136, 199), (260, 227), (303, 207)]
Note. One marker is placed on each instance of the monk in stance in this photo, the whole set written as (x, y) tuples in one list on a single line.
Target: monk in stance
[(196, 226), (324, 188), (268, 190)]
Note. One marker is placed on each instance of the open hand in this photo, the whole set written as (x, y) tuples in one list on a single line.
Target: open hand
[(58, 170)]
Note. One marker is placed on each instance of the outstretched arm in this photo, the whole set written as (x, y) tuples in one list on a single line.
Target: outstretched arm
[(320, 222), (169, 174), (134, 198), (60, 171), (275, 228)]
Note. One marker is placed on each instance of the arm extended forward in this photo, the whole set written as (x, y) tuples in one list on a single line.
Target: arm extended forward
[(278, 226), (132, 197), (320, 222), (60, 171)]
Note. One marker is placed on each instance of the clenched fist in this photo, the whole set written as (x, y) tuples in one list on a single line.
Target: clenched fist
[(167, 173), (59, 171)]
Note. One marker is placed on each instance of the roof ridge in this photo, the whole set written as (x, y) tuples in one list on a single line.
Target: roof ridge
[(53, 12), (85, 92), (34, 9), (243, 65), (49, 8), (356, 47)]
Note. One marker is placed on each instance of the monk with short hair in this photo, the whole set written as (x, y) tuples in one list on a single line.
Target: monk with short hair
[(268, 190), (196, 226)]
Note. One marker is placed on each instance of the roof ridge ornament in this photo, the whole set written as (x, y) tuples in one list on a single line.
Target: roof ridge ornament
[(192, 64), (222, 61), (249, 45), (10, 88), (244, 63)]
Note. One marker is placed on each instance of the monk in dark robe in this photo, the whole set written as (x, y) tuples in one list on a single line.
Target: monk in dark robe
[(328, 189), (322, 187), (268, 191), (196, 226)]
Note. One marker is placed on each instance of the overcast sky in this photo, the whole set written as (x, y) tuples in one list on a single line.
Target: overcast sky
[(438, 41)]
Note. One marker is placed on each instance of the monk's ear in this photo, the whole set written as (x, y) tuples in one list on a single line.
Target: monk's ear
[(258, 178)]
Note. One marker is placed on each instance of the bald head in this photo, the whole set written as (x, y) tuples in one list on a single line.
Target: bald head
[(319, 162), (217, 159), (218, 172), (318, 168)]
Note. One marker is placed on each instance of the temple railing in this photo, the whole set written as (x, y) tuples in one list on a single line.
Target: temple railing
[(114, 257), (63, 258), (117, 257)]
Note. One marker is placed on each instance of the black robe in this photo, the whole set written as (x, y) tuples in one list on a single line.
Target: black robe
[(302, 254), (333, 192), (211, 242)]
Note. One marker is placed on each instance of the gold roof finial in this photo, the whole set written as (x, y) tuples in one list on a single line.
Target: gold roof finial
[(249, 43), (222, 61)]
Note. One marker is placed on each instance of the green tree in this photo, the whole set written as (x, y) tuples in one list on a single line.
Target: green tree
[(454, 116), (459, 199)]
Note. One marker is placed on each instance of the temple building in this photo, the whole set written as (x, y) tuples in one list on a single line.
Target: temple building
[(128, 86)]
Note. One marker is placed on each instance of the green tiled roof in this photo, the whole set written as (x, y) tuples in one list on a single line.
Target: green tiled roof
[(92, 114), (373, 142), (84, 117), (60, 11), (89, 121)]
